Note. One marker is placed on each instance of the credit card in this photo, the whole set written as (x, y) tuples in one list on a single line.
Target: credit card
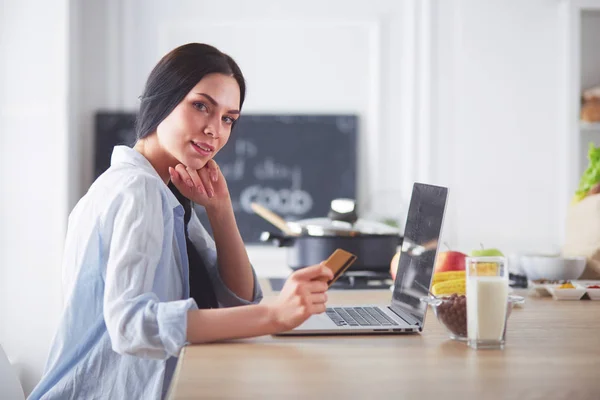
[(338, 262)]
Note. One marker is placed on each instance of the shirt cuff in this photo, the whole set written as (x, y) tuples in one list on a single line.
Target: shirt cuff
[(172, 324), (227, 298)]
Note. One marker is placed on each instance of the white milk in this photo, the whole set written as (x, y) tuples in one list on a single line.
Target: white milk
[(486, 307)]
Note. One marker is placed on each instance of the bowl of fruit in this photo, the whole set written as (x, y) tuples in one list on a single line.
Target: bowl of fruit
[(448, 298), (451, 312)]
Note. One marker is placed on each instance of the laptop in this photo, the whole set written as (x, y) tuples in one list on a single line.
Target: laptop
[(406, 312)]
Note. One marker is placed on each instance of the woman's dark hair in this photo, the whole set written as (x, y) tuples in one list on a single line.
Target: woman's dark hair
[(168, 84), (173, 78)]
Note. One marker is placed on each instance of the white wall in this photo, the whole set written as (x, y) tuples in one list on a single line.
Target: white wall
[(33, 177), (500, 73), (95, 88)]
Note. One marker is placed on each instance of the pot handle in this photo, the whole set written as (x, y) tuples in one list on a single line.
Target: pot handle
[(343, 210), (277, 239)]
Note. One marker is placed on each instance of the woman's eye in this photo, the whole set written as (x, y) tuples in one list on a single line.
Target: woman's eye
[(229, 120), (200, 106)]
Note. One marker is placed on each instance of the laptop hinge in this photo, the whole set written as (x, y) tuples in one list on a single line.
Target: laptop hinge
[(404, 315)]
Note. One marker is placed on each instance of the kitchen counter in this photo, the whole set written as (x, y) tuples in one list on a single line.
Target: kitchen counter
[(552, 352)]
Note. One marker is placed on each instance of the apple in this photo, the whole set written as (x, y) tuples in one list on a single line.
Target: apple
[(486, 269), (483, 252), (449, 261), (445, 261)]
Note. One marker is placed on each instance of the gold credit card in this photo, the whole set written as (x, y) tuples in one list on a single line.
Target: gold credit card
[(338, 262)]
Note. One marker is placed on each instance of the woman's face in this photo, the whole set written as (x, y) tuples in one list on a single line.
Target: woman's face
[(201, 123)]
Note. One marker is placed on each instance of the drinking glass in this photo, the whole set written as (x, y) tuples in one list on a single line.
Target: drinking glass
[(487, 302)]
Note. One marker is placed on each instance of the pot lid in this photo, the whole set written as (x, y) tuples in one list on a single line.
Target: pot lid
[(342, 220), (329, 227)]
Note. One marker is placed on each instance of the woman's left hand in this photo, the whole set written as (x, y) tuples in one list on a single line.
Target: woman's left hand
[(206, 186)]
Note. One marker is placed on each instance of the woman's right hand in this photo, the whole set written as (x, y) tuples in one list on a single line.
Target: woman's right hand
[(303, 295)]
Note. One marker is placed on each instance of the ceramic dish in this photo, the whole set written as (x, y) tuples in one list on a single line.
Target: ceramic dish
[(585, 282), (566, 294), (552, 267), (540, 287), (593, 293)]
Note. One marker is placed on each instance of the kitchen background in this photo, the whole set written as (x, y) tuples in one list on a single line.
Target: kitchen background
[(482, 97)]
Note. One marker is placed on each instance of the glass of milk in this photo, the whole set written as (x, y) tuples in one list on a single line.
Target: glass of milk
[(487, 301)]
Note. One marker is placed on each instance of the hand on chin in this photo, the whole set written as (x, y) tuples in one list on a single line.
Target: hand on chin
[(205, 186)]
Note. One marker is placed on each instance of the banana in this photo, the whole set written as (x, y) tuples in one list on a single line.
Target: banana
[(447, 276), (458, 286)]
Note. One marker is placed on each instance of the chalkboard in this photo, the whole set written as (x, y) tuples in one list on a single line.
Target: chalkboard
[(292, 164)]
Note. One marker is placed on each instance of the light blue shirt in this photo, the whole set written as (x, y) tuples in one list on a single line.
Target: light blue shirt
[(126, 286)]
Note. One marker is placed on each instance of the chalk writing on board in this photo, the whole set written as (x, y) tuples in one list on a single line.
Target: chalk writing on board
[(290, 199)]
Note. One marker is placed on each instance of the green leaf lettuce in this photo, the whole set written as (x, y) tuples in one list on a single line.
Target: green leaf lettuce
[(591, 176)]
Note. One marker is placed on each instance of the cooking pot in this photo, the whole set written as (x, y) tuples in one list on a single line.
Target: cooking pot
[(312, 241)]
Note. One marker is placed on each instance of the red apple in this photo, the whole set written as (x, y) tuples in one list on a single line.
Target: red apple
[(449, 261), (445, 261)]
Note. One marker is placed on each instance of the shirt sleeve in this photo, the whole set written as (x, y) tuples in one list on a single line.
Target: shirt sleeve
[(205, 245), (137, 322)]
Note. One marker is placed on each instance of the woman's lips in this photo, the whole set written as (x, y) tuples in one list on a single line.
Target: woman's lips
[(203, 149)]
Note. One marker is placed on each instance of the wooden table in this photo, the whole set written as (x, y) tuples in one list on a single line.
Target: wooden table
[(552, 352)]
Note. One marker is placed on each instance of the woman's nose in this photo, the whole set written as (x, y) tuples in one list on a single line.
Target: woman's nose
[(211, 129)]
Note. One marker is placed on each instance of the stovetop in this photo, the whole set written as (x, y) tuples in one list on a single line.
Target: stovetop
[(364, 280), (351, 280)]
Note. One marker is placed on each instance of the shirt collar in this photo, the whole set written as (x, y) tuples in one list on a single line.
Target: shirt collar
[(128, 155)]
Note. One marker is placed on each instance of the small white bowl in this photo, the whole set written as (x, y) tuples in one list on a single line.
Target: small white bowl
[(566, 294), (594, 294), (541, 288), (538, 288), (553, 268), (586, 283)]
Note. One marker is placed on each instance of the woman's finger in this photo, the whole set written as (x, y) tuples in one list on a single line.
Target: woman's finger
[(198, 185), (316, 286), (318, 308), (185, 176), (206, 181), (175, 177), (180, 183), (318, 298), (213, 167)]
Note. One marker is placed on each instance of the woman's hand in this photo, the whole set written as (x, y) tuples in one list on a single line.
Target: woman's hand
[(302, 296), (206, 186)]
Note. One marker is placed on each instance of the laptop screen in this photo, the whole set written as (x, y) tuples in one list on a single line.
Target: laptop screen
[(419, 248)]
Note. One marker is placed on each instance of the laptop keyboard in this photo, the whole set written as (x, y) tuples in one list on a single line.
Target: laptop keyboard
[(359, 316)]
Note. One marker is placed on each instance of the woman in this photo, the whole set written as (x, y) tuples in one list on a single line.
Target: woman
[(135, 248)]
